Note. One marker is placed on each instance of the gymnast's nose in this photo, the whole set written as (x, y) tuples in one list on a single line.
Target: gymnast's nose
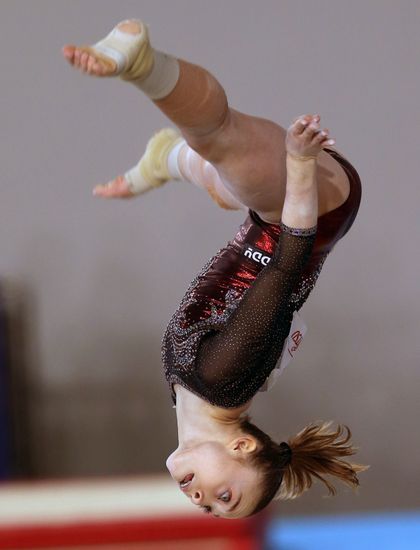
[(197, 497)]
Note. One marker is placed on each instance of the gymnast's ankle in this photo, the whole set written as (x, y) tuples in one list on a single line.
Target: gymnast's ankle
[(159, 163)]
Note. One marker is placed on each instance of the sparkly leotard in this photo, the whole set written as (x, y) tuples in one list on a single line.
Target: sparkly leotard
[(228, 332)]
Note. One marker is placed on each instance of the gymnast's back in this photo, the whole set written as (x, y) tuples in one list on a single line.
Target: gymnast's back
[(228, 332)]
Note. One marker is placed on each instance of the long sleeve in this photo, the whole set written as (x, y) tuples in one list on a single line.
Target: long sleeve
[(246, 349)]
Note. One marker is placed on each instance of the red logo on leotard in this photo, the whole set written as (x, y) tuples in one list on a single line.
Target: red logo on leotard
[(297, 339)]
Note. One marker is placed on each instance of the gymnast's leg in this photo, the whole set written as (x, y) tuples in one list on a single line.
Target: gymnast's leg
[(178, 162), (247, 152)]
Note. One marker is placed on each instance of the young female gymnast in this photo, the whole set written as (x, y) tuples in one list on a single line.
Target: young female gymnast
[(229, 331)]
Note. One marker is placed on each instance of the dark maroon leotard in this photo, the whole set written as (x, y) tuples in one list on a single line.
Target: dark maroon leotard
[(228, 332)]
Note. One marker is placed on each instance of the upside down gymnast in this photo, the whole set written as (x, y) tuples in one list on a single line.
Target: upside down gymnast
[(227, 335)]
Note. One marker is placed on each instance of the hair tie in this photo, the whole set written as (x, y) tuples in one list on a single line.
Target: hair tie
[(287, 452)]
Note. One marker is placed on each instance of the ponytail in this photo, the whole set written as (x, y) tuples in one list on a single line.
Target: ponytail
[(316, 452), (289, 469)]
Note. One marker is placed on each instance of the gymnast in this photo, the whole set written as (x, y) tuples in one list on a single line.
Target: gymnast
[(228, 335)]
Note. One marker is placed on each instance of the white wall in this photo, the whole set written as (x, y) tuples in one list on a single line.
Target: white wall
[(98, 280)]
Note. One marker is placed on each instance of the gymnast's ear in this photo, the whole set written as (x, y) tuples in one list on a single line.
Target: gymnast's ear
[(243, 445)]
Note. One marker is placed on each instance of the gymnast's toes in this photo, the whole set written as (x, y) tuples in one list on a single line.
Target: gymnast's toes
[(115, 189), (86, 59)]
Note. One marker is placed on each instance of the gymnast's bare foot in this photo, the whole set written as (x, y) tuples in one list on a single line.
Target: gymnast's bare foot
[(305, 139), (125, 51)]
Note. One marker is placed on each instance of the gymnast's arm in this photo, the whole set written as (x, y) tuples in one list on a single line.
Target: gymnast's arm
[(252, 339)]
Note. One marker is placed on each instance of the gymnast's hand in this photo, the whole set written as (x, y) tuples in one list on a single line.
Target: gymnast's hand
[(305, 139)]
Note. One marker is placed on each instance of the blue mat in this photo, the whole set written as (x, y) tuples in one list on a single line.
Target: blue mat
[(399, 531)]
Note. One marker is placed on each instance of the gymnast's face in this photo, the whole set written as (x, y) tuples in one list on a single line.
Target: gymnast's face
[(213, 478)]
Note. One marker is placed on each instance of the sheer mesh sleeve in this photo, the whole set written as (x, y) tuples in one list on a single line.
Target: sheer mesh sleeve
[(247, 348)]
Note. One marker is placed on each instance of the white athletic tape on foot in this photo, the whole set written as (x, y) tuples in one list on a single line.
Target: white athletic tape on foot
[(135, 180), (153, 170), (154, 72), (163, 77), (120, 47), (118, 57), (173, 164)]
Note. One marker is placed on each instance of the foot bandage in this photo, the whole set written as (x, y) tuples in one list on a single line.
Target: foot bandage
[(173, 164), (153, 169), (154, 72)]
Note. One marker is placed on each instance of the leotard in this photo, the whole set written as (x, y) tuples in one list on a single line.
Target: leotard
[(227, 335)]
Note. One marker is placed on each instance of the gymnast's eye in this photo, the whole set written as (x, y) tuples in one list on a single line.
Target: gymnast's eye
[(225, 497), (207, 509)]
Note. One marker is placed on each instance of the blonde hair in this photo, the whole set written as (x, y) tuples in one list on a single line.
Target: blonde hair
[(317, 451)]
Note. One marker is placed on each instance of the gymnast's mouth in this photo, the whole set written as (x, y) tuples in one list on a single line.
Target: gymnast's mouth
[(185, 483)]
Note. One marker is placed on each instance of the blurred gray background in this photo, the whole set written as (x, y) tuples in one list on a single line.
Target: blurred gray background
[(91, 284)]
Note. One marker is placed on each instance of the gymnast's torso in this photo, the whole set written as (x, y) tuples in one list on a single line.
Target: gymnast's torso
[(228, 332)]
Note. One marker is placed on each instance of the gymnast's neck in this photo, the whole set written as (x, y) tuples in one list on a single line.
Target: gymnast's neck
[(199, 421)]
